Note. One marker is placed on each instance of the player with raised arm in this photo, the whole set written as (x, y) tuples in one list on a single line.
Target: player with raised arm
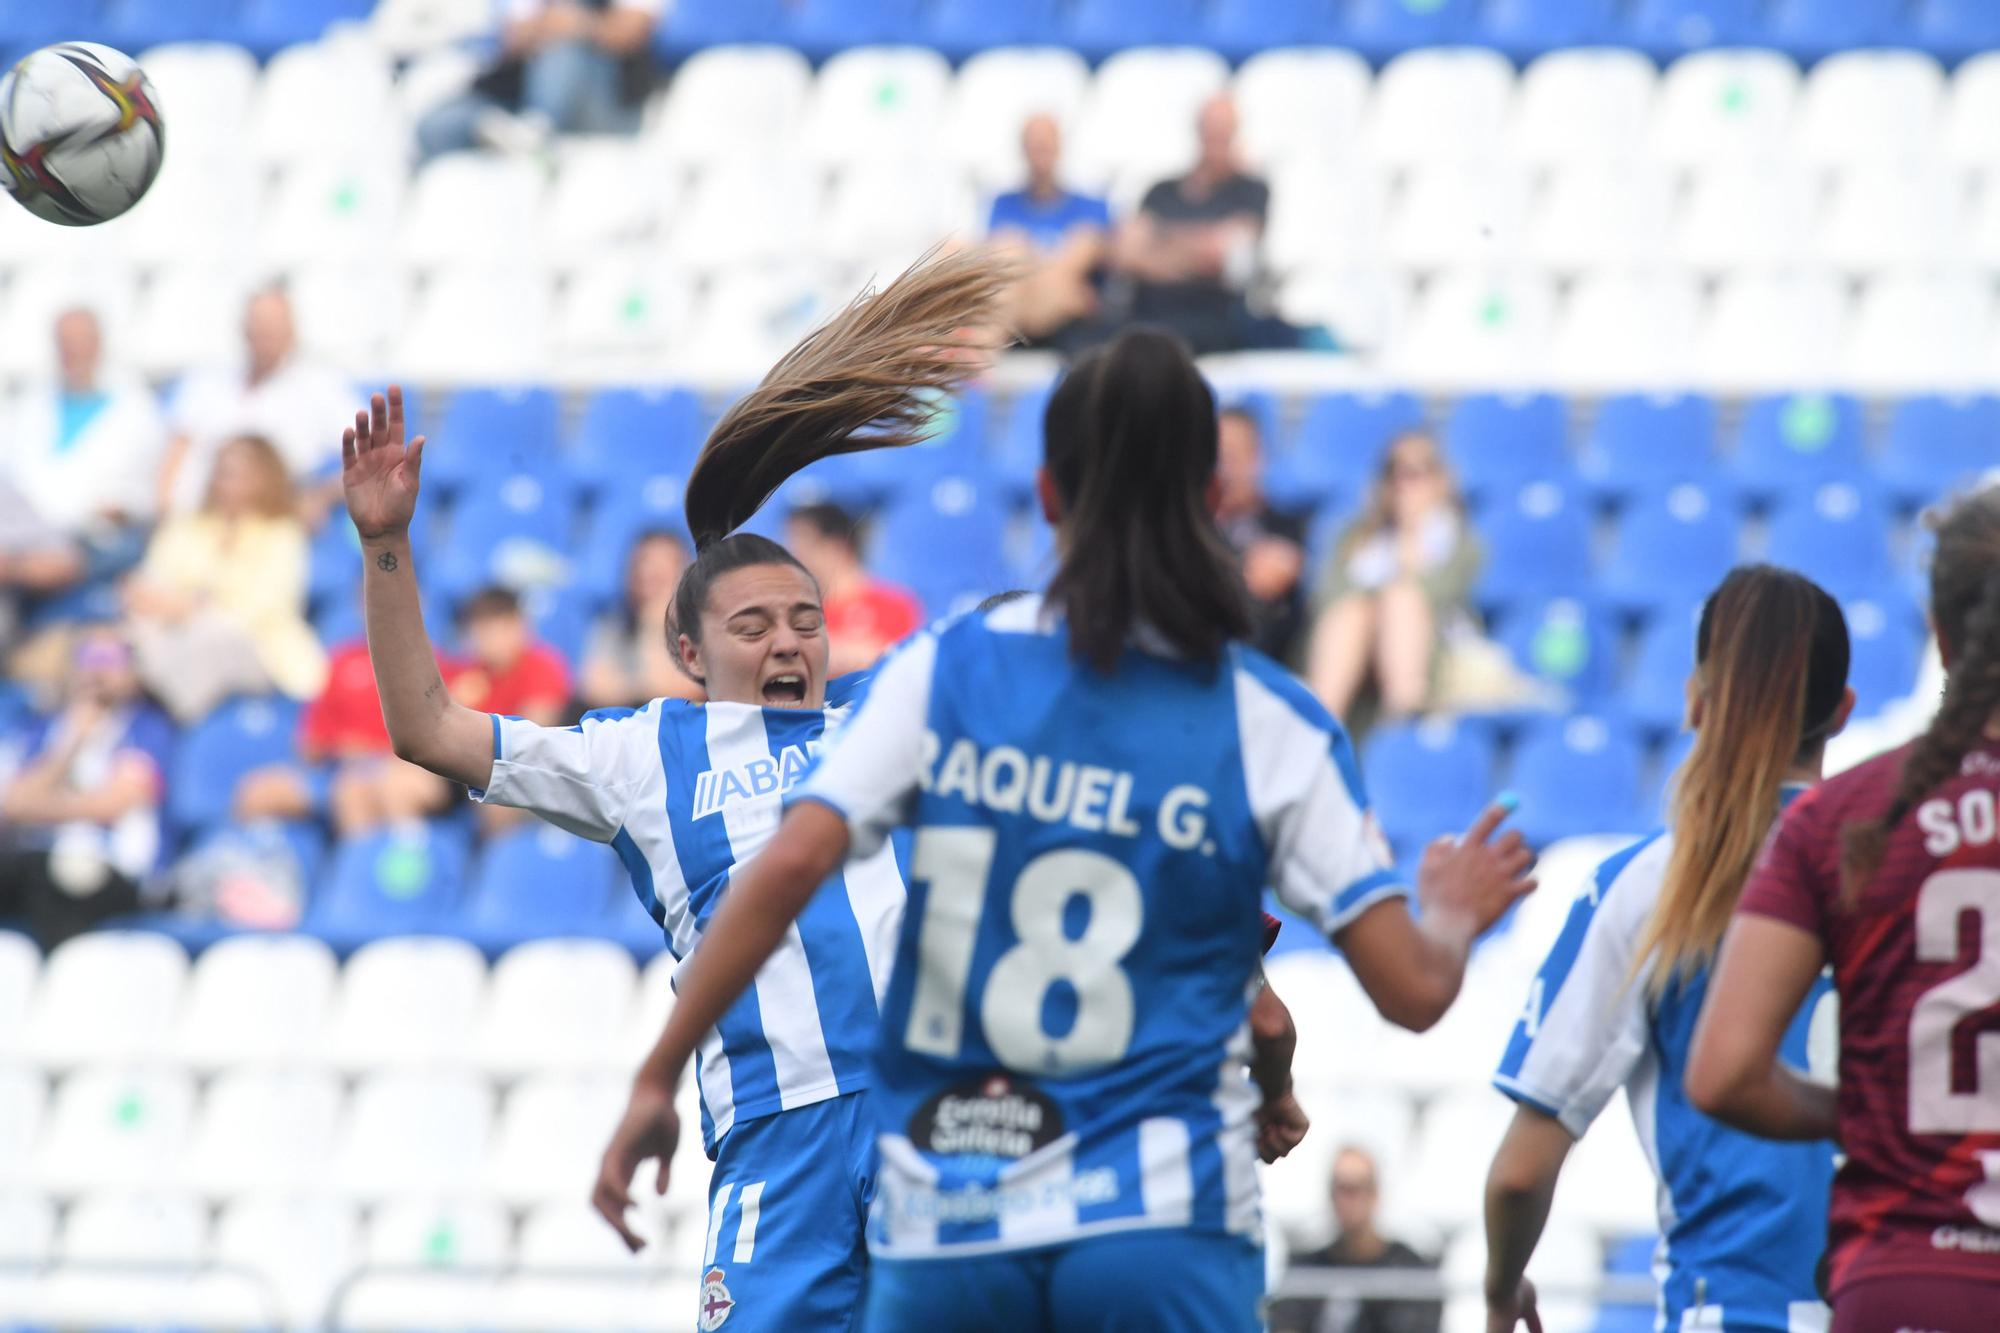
[(1615, 1004), (1100, 782), (1890, 872)]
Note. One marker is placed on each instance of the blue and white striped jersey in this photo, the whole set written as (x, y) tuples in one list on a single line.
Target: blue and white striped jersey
[(1742, 1219), (1064, 1039), (686, 793)]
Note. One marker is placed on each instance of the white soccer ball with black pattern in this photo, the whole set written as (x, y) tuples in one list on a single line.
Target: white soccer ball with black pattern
[(80, 133)]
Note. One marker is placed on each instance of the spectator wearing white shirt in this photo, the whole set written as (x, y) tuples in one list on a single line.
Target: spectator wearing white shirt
[(276, 394), (563, 67)]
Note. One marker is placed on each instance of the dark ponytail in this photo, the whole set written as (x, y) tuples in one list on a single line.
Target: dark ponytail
[(1130, 446), (1965, 610), (869, 378)]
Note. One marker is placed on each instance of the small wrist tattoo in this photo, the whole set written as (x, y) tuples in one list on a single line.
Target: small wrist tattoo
[(386, 562)]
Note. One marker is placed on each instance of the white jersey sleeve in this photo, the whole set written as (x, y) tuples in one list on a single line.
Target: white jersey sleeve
[(876, 763), (581, 778), (1583, 1031), (1328, 859)]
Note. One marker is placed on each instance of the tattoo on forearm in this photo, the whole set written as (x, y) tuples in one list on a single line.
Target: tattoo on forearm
[(386, 562), (435, 689)]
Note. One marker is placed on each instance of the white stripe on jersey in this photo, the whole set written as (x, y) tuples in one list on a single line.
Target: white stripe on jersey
[(875, 891), (1236, 1101), (1166, 1180), (718, 1090), (905, 1171), (786, 1005), (1051, 1169)]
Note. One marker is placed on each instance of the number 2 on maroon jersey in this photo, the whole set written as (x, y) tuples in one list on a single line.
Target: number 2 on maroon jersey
[(1936, 1106)]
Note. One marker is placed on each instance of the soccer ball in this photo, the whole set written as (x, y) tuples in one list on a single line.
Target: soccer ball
[(80, 133)]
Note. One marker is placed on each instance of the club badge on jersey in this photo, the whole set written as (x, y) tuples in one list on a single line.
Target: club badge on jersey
[(716, 1302)]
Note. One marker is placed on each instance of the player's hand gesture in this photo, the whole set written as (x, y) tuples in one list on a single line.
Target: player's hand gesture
[(1504, 1314), (377, 471), (1281, 1126), (651, 1128), (1476, 877)]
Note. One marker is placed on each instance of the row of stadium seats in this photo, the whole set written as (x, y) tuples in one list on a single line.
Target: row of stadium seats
[(1380, 28)]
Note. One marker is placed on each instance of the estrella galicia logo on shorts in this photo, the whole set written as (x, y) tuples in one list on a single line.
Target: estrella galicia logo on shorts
[(994, 1115), (715, 1301)]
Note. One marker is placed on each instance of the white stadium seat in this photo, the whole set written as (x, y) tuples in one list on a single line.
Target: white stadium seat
[(290, 117), (115, 1128), (201, 208), (1302, 105), (1461, 1050), (993, 96), (1587, 106), (258, 999), (607, 192), (1442, 104), (157, 1240), (1599, 216), (347, 314), (740, 216), (1891, 218), (474, 208), (27, 1241), (880, 212), (551, 1131), (1363, 307), (1870, 106), (331, 209), (569, 1236), (1764, 333), (1567, 1256), (552, 1005), (412, 1135), (1744, 216), (1140, 113), (435, 1260), (1325, 215), (477, 325), (1477, 329), (733, 103), (1980, 241), (653, 1002), (1722, 106), (1920, 334), (108, 995), (1454, 1145), (1971, 112), (20, 968), (408, 1002), (620, 317), (38, 293), (301, 1247), (190, 317), (205, 91), (878, 103), (1338, 1046), (1462, 216), (24, 1103), (749, 317), (263, 1131), (1607, 1181)]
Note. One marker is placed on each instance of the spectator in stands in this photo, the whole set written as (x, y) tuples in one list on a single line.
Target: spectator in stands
[(278, 394), (1272, 544), (218, 606), (563, 66), (863, 616), (1358, 1244), (80, 822), (628, 661), (347, 768), (75, 490), (1060, 236), (1192, 248), (507, 671), (1396, 588)]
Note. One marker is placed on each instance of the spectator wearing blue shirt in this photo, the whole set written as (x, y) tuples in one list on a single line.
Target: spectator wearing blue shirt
[(1060, 236), (80, 821)]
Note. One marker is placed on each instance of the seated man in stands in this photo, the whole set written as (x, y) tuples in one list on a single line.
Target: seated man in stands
[(864, 616), (1060, 236), (1356, 1195), (1192, 248)]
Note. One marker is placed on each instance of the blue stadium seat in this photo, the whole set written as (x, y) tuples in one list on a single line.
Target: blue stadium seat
[(1241, 28), (1884, 634), (1099, 27), (1795, 442), (1938, 444), (1380, 29), (134, 25), (960, 28), (1014, 446), (628, 436), (1658, 787), (1671, 547), (617, 522), (1427, 778), (1565, 642), (1669, 28), (1648, 442), (1498, 442), (516, 534), (333, 565), (561, 619), (1577, 776), (489, 434), (1837, 536), (1338, 449), (534, 882), (1809, 29), (26, 24), (1524, 29), (1654, 696), (271, 25), (1955, 29), (1632, 1255), (215, 753), (691, 25), (401, 882), (1537, 546), (945, 542), (819, 28)]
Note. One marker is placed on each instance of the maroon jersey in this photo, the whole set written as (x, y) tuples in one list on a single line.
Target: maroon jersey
[(1917, 964)]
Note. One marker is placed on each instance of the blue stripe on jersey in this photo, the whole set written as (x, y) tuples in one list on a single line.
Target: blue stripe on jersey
[(1562, 957), (1377, 885), (641, 872)]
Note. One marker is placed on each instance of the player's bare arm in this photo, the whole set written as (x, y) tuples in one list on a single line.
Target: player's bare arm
[(1520, 1188), (1734, 1073)]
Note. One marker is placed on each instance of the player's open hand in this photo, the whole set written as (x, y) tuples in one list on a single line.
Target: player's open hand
[(377, 471), (1281, 1126), (651, 1128), (1476, 877), (1504, 1314)]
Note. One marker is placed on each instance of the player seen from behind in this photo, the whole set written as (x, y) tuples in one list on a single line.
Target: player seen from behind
[(1100, 782), (1891, 873), (1615, 1004)]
